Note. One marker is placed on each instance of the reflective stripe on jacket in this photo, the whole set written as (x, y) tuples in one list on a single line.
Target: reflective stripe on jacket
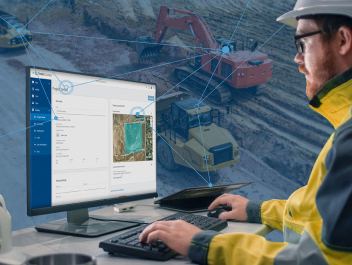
[(316, 220)]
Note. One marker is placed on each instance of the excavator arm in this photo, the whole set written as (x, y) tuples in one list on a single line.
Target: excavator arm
[(148, 46), (192, 22)]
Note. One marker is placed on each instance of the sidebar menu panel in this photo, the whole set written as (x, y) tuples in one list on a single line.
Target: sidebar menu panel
[(40, 141)]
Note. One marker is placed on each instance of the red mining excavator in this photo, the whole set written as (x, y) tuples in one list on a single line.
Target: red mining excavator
[(252, 73)]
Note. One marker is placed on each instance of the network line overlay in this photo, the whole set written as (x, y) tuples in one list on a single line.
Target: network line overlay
[(66, 86)]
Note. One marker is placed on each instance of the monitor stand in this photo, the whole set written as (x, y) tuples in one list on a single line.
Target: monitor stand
[(78, 223)]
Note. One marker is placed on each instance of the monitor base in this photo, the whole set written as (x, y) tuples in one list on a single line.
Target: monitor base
[(83, 227)]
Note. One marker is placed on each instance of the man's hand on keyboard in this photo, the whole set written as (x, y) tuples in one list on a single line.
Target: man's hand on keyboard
[(238, 204), (176, 234)]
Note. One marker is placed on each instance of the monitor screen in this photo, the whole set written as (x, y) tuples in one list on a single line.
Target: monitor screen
[(91, 141)]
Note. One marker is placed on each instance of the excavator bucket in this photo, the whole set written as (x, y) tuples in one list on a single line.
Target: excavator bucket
[(146, 48)]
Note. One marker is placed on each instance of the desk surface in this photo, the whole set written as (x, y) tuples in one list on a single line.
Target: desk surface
[(33, 243)]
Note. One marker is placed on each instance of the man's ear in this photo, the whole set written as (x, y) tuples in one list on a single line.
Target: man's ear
[(344, 35)]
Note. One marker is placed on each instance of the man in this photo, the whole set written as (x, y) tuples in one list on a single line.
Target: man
[(317, 218)]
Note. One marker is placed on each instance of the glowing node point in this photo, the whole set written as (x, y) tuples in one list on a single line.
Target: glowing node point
[(196, 106), (18, 32), (225, 49), (66, 87), (56, 118), (210, 185), (137, 114)]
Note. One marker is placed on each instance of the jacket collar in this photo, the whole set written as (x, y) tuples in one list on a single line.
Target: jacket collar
[(334, 100)]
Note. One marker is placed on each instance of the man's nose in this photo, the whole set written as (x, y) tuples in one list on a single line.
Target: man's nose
[(299, 58)]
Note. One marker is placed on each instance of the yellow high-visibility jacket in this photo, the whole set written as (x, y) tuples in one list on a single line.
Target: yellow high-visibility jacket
[(316, 220)]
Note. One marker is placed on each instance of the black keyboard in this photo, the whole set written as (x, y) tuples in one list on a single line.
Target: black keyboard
[(128, 243)]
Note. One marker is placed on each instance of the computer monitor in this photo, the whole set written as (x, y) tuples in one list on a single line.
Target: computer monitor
[(91, 142)]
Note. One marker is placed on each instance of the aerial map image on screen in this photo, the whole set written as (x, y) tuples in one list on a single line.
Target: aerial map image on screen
[(133, 138)]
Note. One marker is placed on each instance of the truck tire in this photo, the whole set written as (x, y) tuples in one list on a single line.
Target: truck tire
[(165, 157)]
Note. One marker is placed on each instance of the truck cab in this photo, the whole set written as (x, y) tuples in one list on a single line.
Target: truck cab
[(185, 116), (9, 37)]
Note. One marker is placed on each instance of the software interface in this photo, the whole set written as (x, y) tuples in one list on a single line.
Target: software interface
[(90, 140)]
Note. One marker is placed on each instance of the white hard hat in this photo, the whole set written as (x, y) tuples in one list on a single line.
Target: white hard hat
[(314, 7)]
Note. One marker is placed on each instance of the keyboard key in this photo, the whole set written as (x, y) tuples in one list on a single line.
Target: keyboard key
[(161, 247), (166, 249), (138, 245), (147, 247)]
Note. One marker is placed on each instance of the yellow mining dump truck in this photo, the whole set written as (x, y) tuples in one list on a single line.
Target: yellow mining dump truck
[(178, 124), (10, 37)]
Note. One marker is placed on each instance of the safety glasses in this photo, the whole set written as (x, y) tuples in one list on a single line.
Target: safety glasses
[(300, 44)]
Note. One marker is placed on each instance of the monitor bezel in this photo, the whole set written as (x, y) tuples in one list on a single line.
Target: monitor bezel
[(73, 206)]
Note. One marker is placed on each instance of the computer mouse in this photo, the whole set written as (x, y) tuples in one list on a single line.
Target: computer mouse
[(218, 210)]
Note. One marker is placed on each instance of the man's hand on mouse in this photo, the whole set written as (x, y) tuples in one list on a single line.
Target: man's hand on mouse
[(176, 234), (238, 204)]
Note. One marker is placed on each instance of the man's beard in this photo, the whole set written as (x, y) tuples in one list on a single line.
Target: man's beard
[(321, 72)]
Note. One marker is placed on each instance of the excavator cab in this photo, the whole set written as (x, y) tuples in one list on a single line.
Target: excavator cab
[(226, 42)]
